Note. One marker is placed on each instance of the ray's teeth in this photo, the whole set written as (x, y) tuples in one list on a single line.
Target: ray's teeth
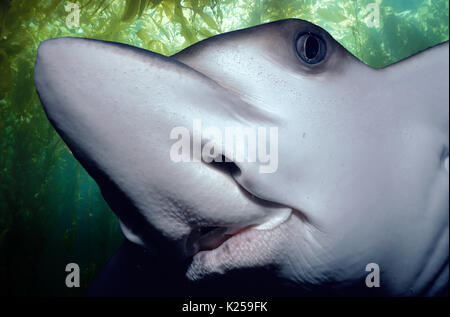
[(276, 219)]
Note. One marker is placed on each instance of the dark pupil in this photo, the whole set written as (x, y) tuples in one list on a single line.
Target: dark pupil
[(311, 47)]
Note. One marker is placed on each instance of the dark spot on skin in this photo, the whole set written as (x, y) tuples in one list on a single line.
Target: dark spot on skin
[(444, 154)]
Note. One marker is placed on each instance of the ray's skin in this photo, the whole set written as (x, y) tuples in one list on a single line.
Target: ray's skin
[(363, 161)]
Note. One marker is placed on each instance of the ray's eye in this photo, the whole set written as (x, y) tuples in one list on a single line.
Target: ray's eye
[(311, 48)]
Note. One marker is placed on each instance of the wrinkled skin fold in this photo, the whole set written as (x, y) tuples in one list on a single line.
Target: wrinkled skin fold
[(362, 173)]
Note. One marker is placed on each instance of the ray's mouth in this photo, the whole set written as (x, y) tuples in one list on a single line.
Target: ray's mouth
[(209, 238), (204, 238)]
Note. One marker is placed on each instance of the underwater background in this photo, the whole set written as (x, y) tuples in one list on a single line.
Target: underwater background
[(51, 211)]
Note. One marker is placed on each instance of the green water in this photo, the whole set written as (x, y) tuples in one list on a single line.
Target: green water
[(51, 211)]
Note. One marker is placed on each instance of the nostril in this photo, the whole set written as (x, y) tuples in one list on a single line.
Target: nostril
[(224, 165)]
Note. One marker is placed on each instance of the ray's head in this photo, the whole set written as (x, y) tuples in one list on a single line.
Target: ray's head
[(362, 153)]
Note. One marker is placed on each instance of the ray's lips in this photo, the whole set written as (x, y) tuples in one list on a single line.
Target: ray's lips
[(248, 247), (211, 238)]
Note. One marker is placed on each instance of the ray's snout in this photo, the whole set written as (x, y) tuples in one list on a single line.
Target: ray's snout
[(115, 106)]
